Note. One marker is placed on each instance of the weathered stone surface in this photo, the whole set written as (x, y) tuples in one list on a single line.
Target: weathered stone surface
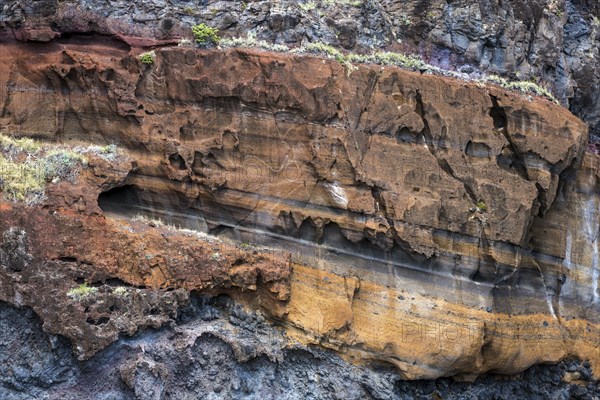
[(413, 203), (214, 353), (553, 42)]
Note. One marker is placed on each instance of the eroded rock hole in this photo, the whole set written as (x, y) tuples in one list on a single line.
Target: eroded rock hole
[(477, 149), (153, 207), (123, 200), (99, 321), (498, 114), (177, 162)]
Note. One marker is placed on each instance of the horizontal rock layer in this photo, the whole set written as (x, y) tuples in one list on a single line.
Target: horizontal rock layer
[(551, 42), (443, 227), (218, 350)]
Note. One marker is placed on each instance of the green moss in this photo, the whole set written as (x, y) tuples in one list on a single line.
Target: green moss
[(204, 34), (81, 291)]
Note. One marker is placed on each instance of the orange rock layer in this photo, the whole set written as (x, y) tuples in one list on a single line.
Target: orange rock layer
[(444, 227)]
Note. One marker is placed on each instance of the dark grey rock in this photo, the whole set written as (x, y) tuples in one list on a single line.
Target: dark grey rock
[(213, 359)]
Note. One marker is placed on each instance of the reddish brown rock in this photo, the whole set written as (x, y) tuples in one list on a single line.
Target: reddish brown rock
[(383, 183)]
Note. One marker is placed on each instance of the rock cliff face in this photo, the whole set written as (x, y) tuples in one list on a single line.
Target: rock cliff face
[(553, 42), (439, 227)]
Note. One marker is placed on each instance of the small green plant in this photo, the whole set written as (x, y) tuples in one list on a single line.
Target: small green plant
[(204, 34), (108, 149), (352, 3), (244, 6), (405, 20), (148, 220), (184, 42), (481, 206), (148, 58), (81, 291), (189, 10), (62, 165), (19, 144), (326, 50), (311, 5), (120, 291), (251, 41)]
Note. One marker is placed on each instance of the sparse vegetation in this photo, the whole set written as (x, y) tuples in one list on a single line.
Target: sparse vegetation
[(81, 291), (185, 42), (204, 34), (148, 58), (148, 220), (176, 229), (251, 42), (308, 6), (352, 3), (554, 7), (405, 61), (325, 50), (525, 87), (481, 206), (120, 291), (26, 166), (21, 181), (19, 144), (108, 152), (392, 59), (109, 149)]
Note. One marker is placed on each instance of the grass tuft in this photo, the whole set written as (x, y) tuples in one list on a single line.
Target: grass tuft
[(27, 166), (81, 291)]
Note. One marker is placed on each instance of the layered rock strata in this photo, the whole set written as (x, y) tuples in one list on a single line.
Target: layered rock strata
[(410, 219), (217, 350), (551, 42)]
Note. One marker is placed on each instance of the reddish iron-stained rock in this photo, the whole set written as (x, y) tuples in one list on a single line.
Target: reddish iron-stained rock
[(383, 184)]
